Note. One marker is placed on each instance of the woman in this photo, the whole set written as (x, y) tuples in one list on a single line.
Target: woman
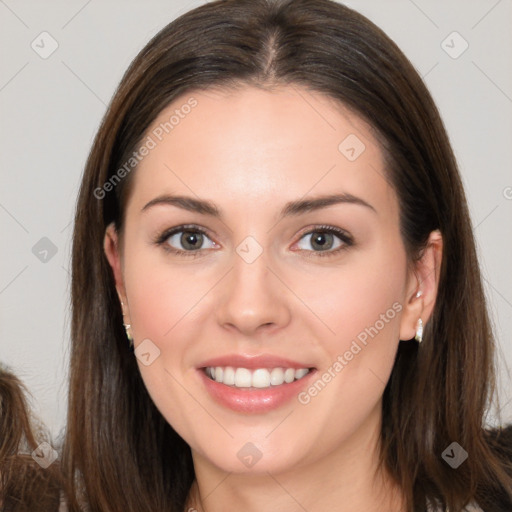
[(276, 297)]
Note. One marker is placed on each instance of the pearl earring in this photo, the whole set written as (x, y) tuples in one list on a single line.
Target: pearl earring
[(419, 331), (127, 328), (419, 326)]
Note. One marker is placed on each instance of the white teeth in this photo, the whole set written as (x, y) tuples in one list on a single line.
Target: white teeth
[(289, 375), (260, 378), (300, 373), (229, 376), (277, 376), (242, 378)]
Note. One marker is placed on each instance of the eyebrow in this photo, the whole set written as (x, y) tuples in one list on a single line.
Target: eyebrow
[(292, 208)]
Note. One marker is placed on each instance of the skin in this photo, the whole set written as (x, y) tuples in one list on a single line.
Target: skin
[(250, 151)]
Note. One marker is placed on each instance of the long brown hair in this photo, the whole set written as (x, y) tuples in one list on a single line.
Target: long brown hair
[(120, 453), (25, 485)]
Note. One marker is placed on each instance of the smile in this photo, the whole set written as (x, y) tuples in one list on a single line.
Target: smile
[(258, 378)]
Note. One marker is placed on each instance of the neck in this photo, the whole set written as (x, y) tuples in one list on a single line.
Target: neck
[(347, 479)]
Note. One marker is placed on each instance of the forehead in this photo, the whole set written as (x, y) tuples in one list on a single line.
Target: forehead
[(257, 144)]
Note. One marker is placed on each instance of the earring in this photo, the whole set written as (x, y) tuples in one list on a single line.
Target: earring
[(419, 331), (127, 328)]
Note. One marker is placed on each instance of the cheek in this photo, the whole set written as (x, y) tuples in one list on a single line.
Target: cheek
[(162, 310), (362, 295), (362, 305), (161, 296)]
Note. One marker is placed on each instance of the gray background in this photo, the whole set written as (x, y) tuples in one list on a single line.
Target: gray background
[(51, 109)]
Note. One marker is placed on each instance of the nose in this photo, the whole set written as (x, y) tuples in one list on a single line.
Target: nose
[(253, 299)]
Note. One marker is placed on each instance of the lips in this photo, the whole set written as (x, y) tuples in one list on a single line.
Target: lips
[(254, 384), (254, 362)]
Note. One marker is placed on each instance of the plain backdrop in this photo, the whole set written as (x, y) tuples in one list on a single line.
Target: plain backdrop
[(50, 109)]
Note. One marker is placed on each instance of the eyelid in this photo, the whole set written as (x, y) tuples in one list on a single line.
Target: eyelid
[(166, 233), (325, 228)]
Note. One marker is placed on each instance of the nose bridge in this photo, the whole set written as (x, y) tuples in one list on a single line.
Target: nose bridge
[(253, 296), (250, 263)]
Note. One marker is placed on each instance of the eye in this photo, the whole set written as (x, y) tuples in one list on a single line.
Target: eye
[(325, 239), (190, 240), (185, 240)]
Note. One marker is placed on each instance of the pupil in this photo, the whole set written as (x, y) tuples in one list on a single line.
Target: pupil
[(190, 240), (321, 239)]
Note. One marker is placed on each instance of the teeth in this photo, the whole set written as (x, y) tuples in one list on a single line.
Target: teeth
[(289, 375), (243, 378), (300, 373), (229, 376), (260, 378)]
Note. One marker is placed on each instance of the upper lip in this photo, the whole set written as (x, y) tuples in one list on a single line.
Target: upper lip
[(253, 362)]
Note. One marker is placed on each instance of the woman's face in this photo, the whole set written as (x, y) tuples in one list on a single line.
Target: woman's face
[(272, 278)]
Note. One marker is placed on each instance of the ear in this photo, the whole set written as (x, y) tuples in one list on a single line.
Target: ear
[(424, 278), (111, 248)]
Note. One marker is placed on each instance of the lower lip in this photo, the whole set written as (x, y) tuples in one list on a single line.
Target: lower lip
[(254, 400)]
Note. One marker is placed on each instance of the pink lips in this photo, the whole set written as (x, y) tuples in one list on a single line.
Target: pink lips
[(253, 400), (253, 362)]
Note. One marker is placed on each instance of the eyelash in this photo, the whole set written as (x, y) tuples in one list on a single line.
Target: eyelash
[(347, 240)]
